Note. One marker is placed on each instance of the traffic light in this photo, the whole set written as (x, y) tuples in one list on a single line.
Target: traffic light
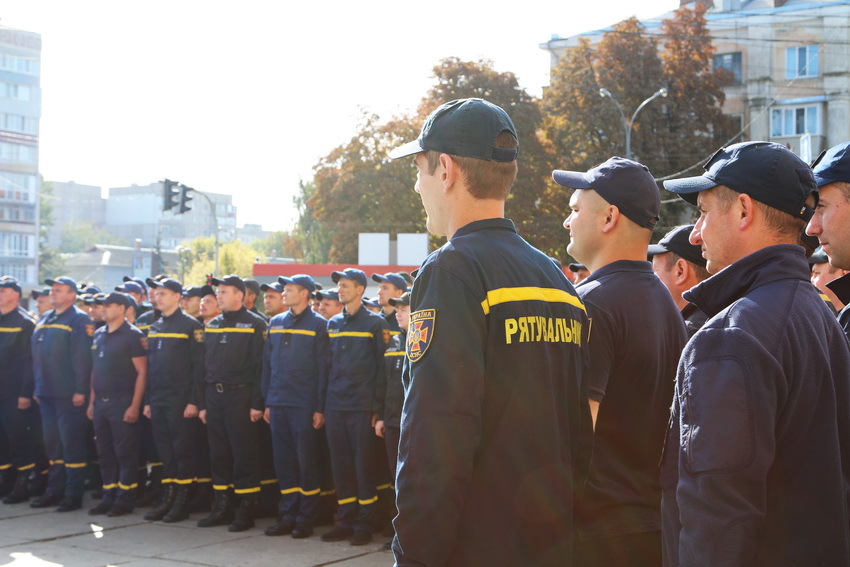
[(185, 198), (169, 194)]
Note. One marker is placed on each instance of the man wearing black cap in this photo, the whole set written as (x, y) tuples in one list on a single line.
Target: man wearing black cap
[(390, 285), (636, 339), (252, 292), (295, 380), (61, 352), (273, 299), (136, 288), (822, 273), (757, 459), (175, 384), (16, 391), (831, 221), (210, 308), (680, 266), (119, 373), (191, 301), (233, 353), (42, 301), (580, 272), (358, 339), (495, 423)]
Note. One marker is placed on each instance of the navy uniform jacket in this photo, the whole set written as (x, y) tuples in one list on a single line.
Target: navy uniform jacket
[(495, 428), (233, 351), (61, 353), (175, 360), (392, 323), (113, 372), (16, 381), (756, 469), (145, 320), (391, 391), (357, 344), (841, 288), (296, 360)]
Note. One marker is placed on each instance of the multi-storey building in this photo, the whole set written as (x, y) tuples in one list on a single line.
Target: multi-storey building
[(74, 203)]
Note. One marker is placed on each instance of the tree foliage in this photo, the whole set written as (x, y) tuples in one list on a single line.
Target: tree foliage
[(80, 236), (50, 263)]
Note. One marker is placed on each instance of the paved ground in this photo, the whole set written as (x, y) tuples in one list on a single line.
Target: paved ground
[(44, 538)]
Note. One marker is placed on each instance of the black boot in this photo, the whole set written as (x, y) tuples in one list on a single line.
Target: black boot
[(202, 500), (20, 493), (244, 519), (221, 513), (7, 481), (37, 483), (180, 507), (164, 505)]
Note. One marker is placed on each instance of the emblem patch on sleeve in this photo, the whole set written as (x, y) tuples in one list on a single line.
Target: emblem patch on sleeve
[(90, 330), (387, 336), (199, 335), (420, 333)]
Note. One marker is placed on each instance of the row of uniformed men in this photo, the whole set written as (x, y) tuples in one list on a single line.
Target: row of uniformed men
[(210, 362)]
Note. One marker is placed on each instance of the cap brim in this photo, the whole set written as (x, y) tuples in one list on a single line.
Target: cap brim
[(51, 282), (820, 180), (407, 149), (655, 249), (689, 187), (571, 179), (216, 281)]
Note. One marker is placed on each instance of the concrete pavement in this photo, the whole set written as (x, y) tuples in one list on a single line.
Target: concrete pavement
[(45, 538)]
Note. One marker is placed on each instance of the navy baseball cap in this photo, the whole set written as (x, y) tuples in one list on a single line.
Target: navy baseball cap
[(36, 293), (64, 280), (167, 283), (833, 165), (303, 280), (352, 274), (193, 291), (253, 285), (371, 302), (769, 173), (118, 298), (232, 280), (130, 287), (10, 283), (404, 299), (274, 286), (465, 127), (328, 294), (393, 278), (138, 280), (819, 257), (88, 289), (624, 183), (676, 241)]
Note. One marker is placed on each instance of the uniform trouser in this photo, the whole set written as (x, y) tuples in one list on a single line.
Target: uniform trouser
[(35, 437), (296, 463), (148, 454), (391, 438), (202, 454), (14, 425), (117, 447), (351, 441), (174, 436), (234, 458), (65, 442)]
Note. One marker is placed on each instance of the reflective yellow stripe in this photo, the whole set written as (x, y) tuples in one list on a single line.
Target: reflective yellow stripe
[(367, 502), (75, 465), (56, 462), (310, 492), (387, 486), (5, 467), (395, 353), (346, 501), (169, 335), (10, 329), (510, 294), (230, 330), (294, 332), (54, 326), (26, 467), (143, 327), (290, 491), (394, 333), (203, 480), (269, 481), (127, 487), (110, 486), (222, 486), (155, 465), (247, 490), (184, 481), (327, 493), (351, 334), (167, 481)]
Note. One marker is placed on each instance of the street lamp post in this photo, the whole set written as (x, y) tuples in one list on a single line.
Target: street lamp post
[(627, 124)]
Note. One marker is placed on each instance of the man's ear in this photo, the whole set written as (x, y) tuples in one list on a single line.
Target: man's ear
[(745, 209), (450, 172), (611, 218), (682, 271)]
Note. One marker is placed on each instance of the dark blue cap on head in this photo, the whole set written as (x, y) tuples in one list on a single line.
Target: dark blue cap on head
[(392, 278), (352, 274), (88, 289), (117, 298), (253, 285), (64, 280), (769, 173), (167, 283), (130, 287), (371, 302), (303, 280), (819, 257), (328, 294), (833, 165), (232, 280), (10, 283), (466, 127), (677, 241), (404, 299), (624, 183), (138, 280), (576, 267), (274, 286), (193, 291)]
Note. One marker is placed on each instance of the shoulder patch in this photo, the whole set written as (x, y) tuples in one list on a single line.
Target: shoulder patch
[(199, 335), (387, 336), (420, 333), (90, 329)]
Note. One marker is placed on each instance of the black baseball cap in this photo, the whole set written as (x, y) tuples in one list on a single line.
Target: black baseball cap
[(193, 291), (303, 280), (64, 280), (253, 285), (676, 241), (352, 274), (392, 278), (404, 299), (36, 293), (232, 280), (328, 294), (11, 283), (274, 286), (833, 165), (769, 173), (818, 257), (624, 183), (118, 298), (167, 283), (576, 267), (465, 127)]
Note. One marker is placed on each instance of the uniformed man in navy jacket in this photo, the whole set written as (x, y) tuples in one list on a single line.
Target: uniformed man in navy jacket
[(495, 427)]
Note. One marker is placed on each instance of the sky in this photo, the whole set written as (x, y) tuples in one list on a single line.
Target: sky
[(245, 97)]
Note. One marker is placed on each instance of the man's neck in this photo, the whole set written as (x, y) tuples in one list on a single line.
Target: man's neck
[(297, 310), (354, 306), (170, 312), (114, 325), (8, 309), (60, 310), (388, 310), (468, 209)]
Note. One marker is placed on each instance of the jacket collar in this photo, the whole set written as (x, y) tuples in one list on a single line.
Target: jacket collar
[(502, 223), (841, 288)]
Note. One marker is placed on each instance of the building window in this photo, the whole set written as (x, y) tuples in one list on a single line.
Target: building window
[(17, 64), (14, 244), (17, 186), (732, 63), (801, 62), (794, 121), (17, 271), (14, 91), (18, 153)]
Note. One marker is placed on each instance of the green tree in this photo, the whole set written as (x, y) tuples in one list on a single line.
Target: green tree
[(80, 236), (314, 239), (50, 263), (234, 257), (280, 244)]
